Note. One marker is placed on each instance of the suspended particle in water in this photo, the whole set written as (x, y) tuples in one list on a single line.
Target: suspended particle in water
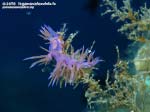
[(28, 13)]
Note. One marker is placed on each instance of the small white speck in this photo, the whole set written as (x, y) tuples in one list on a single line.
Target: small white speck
[(89, 51), (28, 13)]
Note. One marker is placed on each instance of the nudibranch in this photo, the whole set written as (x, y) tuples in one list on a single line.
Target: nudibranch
[(70, 66)]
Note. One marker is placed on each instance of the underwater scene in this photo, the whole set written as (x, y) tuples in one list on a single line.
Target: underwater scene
[(75, 56)]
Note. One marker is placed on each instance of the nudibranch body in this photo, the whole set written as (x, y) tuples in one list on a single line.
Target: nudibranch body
[(70, 66)]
